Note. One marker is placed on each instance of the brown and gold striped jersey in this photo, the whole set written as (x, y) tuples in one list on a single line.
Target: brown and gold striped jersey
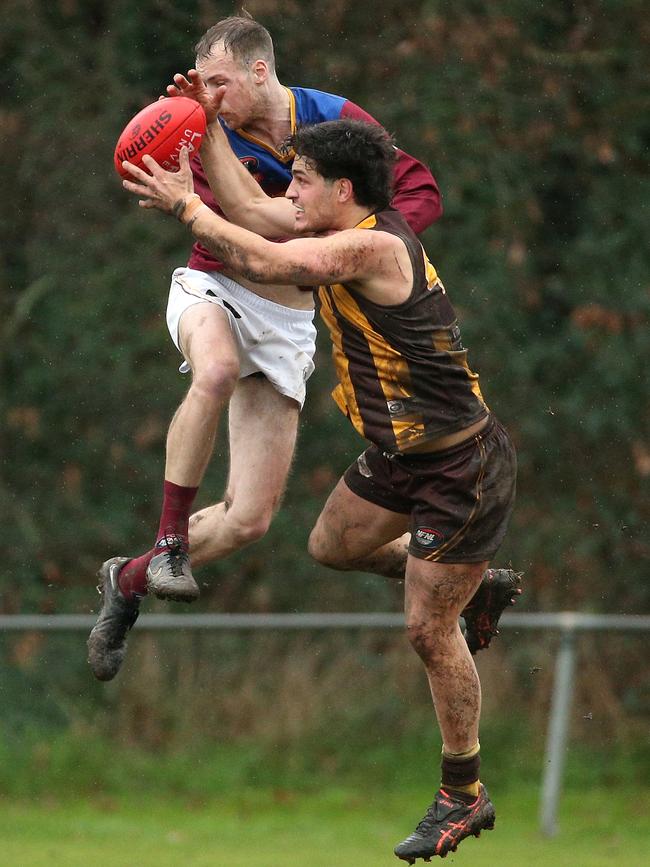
[(402, 369)]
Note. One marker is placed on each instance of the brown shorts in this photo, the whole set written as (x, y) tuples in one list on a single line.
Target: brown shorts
[(459, 499)]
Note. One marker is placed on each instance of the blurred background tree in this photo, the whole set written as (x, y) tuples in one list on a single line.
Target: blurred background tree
[(535, 120)]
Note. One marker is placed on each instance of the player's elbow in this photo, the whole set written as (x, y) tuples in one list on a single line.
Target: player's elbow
[(429, 211), (419, 211)]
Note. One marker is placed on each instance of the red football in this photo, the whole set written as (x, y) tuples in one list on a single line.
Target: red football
[(161, 130)]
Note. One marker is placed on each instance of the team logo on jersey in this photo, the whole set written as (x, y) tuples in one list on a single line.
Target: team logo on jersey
[(428, 538), (252, 164), (396, 407)]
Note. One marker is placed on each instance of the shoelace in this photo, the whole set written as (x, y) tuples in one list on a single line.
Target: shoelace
[(176, 557), (176, 551)]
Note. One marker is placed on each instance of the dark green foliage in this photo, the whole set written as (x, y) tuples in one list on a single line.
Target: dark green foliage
[(534, 118)]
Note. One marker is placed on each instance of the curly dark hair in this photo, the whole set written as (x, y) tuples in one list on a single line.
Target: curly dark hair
[(362, 152)]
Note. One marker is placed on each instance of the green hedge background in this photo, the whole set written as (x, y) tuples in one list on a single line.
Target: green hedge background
[(534, 118)]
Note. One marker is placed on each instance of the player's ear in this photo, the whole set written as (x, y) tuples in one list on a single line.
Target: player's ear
[(346, 190), (260, 71)]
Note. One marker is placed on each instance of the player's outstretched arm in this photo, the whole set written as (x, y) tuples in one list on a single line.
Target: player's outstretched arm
[(376, 262), (239, 195)]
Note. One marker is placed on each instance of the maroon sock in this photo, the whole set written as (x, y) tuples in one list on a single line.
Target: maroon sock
[(132, 579), (174, 522), (176, 507)]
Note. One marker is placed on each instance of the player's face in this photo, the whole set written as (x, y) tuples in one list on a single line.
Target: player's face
[(313, 197), (240, 96)]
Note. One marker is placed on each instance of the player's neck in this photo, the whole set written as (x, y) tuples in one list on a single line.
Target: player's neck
[(348, 218), (272, 121), (357, 214)]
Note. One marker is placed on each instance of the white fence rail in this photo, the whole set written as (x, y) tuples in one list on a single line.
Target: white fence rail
[(567, 623)]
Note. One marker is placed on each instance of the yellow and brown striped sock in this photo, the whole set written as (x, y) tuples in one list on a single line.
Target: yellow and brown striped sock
[(460, 773)]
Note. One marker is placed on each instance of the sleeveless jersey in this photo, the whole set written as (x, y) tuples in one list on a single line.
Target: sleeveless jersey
[(402, 369), (416, 192)]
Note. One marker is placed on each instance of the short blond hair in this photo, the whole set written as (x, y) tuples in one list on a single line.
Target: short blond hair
[(243, 37)]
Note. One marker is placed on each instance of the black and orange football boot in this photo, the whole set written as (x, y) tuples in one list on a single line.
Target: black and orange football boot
[(447, 822), (498, 589)]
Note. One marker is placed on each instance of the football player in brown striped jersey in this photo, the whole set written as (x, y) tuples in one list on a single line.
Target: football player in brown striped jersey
[(439, 474)]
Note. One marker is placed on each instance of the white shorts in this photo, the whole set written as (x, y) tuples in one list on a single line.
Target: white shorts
[(271, 339)]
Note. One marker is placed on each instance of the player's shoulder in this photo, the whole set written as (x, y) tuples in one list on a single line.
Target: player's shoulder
[(391, 219), (314, 106), (377, 241), (390, 232)]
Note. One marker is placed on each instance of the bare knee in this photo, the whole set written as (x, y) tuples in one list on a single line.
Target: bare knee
[(328, 552), (248, 528), (315, 548), (216, 380), (430, 633), (435, 594)]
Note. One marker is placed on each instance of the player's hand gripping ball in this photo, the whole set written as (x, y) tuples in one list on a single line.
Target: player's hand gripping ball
[(161, 130)]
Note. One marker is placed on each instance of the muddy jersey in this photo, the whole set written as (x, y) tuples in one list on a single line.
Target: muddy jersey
[(403, 373), (416, 192)]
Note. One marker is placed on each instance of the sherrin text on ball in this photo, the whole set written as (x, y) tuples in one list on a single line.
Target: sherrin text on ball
[(161, 130)]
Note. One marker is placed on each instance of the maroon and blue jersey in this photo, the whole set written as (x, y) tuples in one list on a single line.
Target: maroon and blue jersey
[(415, 192)]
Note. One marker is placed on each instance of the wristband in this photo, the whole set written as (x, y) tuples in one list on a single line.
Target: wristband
[(189, 214), (184, 208), (194, 213)]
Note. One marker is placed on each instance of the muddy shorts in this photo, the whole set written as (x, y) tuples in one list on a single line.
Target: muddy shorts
[(459, 499)]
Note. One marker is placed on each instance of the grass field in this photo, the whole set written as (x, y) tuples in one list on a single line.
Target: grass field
[(336, 828)]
